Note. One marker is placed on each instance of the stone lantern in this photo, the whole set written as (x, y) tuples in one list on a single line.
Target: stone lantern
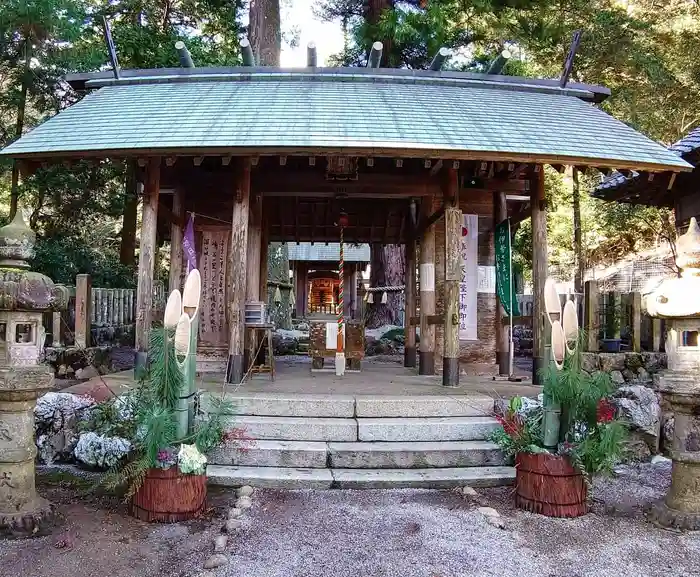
[(678, 301), (24, 297)]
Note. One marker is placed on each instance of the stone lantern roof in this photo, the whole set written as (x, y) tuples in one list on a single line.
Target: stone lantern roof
[(679, 297), (21, 288)]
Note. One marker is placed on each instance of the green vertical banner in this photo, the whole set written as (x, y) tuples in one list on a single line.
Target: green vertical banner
[(504, 269)]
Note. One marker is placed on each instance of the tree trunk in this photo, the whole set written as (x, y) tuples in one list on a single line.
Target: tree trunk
[(373, 13), (264, 32), (19, 126), (388, 267), (578, 245), (128, 245)]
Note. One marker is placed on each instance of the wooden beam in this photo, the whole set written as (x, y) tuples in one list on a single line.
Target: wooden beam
[(236, 273), (518, 171), (409, 354), (144, 292), (430, 319), (436, 168), (539, 273), (426, 276), (176, 250)]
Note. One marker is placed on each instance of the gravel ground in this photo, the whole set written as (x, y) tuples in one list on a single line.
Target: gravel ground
[(402, 533)]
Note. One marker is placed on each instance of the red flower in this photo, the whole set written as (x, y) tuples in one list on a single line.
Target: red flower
[(605, 412), (512, 425)]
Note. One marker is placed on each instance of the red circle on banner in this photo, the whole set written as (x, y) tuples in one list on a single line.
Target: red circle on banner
[(464, 231)]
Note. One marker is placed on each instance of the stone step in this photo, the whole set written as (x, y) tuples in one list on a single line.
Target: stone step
[(292, 405), (423, 406), (295, 428), (426, 429), (422, 455), (295, 454), (290, 478), (422, 478), (270, 477)]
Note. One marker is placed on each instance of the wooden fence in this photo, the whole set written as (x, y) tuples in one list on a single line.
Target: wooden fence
[(96, 315)]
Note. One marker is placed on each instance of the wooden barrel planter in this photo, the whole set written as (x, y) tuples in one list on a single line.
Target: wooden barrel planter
[(549, 485), (168, 496)]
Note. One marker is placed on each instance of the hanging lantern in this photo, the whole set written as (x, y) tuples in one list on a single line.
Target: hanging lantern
[(384, 298), (278, 295)]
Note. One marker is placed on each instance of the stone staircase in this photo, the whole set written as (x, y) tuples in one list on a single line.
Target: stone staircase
[(332, 441)]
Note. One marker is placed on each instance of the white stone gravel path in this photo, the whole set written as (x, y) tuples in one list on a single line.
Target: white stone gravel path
[(416, 533)]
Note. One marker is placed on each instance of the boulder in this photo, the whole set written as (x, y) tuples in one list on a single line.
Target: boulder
[(284, 345), (617, 378), (654, 362), (56, 418), (629, 375), (611, 362), (99, 451), (633, 360), (589, 362), (87, 373), (640, 408), (643, 375)]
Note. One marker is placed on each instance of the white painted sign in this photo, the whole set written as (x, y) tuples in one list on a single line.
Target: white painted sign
[(470, 277), (487, 279), (427, 277)]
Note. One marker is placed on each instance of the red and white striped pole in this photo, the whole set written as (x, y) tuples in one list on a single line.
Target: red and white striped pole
[(340, 349)]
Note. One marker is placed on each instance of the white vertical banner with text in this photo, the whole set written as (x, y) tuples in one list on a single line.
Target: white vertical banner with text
[(470, 277)]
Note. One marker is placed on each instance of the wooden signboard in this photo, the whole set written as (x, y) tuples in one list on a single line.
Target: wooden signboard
[(213, 329)]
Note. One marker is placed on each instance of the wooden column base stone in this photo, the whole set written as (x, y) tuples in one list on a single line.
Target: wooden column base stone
[(450, 372), (409, 357)]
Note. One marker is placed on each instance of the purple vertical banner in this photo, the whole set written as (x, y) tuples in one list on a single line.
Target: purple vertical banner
[(188, 244)]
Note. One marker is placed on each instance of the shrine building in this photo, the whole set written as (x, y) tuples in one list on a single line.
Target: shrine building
[(427, 159)]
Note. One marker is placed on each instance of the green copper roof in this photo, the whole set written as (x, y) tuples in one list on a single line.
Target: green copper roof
[(363, 114)]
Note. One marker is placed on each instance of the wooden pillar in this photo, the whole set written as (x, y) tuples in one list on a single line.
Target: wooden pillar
[(353, 291), (453, 276), (83, 310), (176, 252), (409, 351), (636, 313), (426, 353), (147, 250), (236, 271), (539, 272), (500, 213), (252, 291), (300, 269), (264, 246), (590, 314)]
